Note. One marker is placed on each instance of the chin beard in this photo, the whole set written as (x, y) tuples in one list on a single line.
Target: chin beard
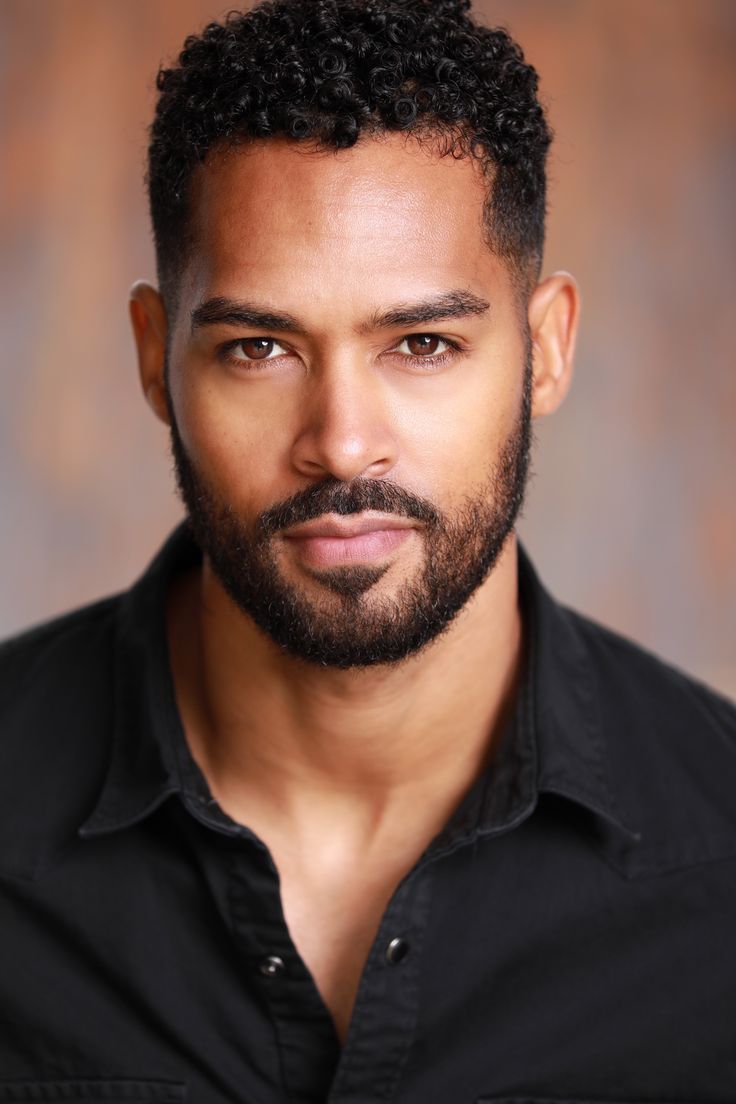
[(338, 622)]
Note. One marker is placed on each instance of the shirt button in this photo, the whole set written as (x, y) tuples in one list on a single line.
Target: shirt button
[(396, 950), (271, 966)]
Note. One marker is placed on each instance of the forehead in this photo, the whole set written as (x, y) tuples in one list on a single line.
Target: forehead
[(387, 211)]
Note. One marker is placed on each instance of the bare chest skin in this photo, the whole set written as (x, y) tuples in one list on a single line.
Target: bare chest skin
[(333, 920), (334, 897), (334, 941)]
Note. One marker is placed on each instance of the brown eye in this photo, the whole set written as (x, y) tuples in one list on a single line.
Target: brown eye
[(247, 352), (257, 348), (426, 350), (423, 344)]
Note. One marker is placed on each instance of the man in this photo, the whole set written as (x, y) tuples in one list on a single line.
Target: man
[(336, 803)]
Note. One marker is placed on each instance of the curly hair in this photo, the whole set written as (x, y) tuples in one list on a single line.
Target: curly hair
[(327, 71)]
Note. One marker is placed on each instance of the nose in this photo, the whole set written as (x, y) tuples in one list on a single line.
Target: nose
[(345, 430)]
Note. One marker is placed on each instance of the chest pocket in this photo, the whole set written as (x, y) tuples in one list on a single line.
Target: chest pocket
[(93, 1091)]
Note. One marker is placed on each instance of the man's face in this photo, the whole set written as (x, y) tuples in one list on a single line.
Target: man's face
[(348, 353)]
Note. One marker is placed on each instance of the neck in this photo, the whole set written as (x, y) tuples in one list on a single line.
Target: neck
[(269, 729)]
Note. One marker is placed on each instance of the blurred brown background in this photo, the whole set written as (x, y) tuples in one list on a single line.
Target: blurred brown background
[(632, 513)]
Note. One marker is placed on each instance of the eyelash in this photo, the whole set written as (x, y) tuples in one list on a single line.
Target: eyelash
[(224, 352)]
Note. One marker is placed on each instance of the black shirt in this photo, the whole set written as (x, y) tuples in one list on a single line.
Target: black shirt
[(570, 935)]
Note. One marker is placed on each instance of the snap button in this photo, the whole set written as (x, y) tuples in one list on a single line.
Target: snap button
[(396, 950), (271, 966)]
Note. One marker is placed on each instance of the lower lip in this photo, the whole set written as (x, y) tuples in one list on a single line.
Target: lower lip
[(329, 551)]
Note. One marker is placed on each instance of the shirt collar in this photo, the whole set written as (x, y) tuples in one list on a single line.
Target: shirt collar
[(143, 769), (554, 744), (562, 707)]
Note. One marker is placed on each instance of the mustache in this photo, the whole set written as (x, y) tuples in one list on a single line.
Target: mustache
[(333, 496)]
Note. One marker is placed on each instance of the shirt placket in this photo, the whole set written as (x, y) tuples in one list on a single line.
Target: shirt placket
[(384, 1016)]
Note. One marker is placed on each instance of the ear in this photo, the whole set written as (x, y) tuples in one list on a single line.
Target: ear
[(554, 307), (148, 316)]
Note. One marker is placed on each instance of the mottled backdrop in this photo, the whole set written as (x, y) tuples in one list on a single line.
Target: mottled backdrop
[(632, 512)]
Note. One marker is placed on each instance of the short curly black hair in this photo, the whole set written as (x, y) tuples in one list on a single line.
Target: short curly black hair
[(327, 71)]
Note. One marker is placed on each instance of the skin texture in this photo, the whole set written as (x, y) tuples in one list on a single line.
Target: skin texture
[(346, 774)]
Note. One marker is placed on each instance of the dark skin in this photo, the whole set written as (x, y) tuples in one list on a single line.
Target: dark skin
[(364, 249)]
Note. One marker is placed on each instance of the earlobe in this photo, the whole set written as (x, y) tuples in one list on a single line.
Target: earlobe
[(554, 308), (148, 318)]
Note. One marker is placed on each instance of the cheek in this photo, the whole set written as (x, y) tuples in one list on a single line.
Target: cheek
[(236, 434), (467, 420)]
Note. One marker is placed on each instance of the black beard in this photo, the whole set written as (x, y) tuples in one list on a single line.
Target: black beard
[(344, 630)]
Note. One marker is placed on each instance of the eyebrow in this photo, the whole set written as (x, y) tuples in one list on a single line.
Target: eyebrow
[(451, 304), (231, 312), (438, 308)]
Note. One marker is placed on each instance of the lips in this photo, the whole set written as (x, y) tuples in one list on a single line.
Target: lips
[(355, 525), (334, 541)]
